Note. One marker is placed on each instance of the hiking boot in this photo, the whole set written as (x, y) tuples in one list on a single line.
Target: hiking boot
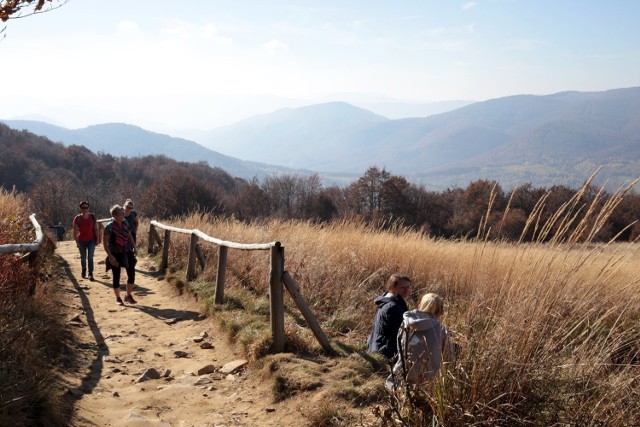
[(91, 278), (119, 301), (84, 274), (130, 300)]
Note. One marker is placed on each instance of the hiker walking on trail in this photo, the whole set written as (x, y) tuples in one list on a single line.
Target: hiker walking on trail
[(424, 342), (87, 236), (391, 307), (132, 219), (119, 245)]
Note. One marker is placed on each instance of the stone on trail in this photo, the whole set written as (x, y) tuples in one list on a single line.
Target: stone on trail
[(197, 339), (206, 370), (180, 353), (149, 374), (232, 367), (206, 345)]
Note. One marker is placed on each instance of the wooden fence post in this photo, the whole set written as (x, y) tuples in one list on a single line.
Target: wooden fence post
[(294, 291), (201, 259), (152, 233), (165, 251), (221, 274), (277, 297), (191, 264)]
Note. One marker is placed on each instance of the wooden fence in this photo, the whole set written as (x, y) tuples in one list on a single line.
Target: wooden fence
[(26, 247), (277, 278)]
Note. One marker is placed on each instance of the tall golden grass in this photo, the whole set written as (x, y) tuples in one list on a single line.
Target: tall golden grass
[(31, 326), (549, 332)]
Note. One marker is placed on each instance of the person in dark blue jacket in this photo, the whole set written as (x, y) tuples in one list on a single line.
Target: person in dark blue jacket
[(391, 307)]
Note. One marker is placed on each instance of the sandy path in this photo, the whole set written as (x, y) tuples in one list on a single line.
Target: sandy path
[(116, 345)]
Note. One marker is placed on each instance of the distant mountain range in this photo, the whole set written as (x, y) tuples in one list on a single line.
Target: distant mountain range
[(126, 140), (546, 140)]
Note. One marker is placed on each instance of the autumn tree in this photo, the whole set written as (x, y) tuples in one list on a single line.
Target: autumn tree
[(12, 9)]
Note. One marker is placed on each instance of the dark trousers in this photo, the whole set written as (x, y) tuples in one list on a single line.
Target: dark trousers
[(128, 261)]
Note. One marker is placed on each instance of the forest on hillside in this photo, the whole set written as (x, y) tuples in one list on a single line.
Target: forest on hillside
[(56, 178)]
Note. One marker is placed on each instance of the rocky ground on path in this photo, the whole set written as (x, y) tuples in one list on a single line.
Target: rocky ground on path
[(158, 362)]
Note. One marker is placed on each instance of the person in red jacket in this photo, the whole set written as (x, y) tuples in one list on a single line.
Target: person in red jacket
[(85, 232)]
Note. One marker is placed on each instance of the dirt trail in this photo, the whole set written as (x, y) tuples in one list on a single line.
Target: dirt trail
[(116, 345)]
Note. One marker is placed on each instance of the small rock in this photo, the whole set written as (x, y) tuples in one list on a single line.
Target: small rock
[(206, 370), (204, 334), (112, 359), (231, 367), (171, 321), (180, 353), (202, 381), (116, 394), (270, 409), (206, 345), (166, 373), (141, 350), (149, 374), (197, 339)]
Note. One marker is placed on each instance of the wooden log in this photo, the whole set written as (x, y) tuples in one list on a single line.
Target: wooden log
[(165, 251), (221, 274), (201, 259), (191, 263), (26, 247), (157, 238), (313, 323), (207, 238), (150, 243), (277, 298)]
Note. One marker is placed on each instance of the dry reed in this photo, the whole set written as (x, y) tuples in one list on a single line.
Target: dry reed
[(549, 332)]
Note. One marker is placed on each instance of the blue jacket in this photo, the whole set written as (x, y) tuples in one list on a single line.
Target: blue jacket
[(386, 324)]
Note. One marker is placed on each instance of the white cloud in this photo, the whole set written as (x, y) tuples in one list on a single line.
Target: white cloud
[(469, 5), (471, 28), (127, 26), (275, 47)]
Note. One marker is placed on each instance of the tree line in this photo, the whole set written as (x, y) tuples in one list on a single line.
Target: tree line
[(56, 178)]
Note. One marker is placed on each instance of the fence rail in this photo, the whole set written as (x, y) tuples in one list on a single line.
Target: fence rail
[(279, 279), (25, 247)]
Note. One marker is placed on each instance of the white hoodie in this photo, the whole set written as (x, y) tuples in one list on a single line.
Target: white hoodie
[(428, 344)]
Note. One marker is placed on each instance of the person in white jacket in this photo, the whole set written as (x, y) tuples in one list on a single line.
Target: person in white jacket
[(424, 343)]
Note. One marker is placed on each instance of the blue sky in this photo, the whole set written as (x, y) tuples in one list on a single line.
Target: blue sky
[(201, 64)]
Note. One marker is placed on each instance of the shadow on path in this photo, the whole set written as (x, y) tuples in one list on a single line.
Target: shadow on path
[(90, 380)]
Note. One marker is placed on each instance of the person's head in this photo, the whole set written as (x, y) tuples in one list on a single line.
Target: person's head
[(116, 210), (399, 284), (128, 204), (84, 206), (432, 304)]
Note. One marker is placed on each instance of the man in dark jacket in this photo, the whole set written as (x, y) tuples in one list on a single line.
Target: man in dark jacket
[(391, 307)]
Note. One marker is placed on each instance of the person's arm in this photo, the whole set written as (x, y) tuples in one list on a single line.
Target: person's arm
[(105, 245), (133, 244), (76, 230), (96, 231)]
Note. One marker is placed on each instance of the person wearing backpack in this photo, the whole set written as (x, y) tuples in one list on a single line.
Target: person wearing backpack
[(121, 252), (424, 344), (85, 232)]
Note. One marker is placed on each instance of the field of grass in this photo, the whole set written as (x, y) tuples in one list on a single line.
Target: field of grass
[(549, 333), (32, 326)]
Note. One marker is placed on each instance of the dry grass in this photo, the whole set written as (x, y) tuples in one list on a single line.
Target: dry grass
[(549, 332), (31, 329)]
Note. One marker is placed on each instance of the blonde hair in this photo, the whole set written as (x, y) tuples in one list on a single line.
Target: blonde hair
[(115, 209), (432, 304), (129, 203), (395, 280)]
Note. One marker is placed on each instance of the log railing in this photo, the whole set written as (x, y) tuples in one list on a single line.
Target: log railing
[(277, 277), (26, 247)]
